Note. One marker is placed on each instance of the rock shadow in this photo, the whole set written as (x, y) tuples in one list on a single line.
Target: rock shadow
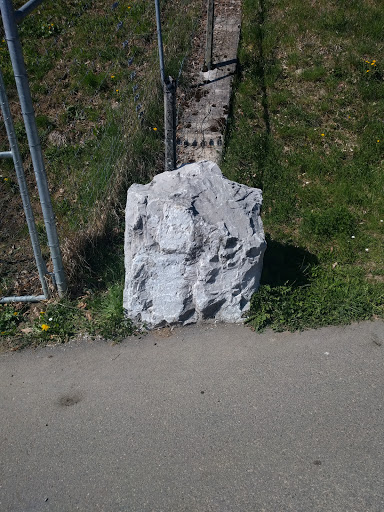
[(286, 264)]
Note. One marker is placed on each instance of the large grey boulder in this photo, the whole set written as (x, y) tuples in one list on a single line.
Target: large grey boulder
[(194, 245)]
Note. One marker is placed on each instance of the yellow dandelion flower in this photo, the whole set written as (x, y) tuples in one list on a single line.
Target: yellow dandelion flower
[(15, 313), (155, 129), (323, 134), (378, 140), (112, 76), (6, 179), (367, 70), (117, 90), (44, 327)]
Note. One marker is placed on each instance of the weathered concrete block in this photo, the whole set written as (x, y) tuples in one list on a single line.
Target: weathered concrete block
[(194, 245)]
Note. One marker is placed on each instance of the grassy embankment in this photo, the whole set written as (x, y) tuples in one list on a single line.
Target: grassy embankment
[(307, 128), (93, 67)]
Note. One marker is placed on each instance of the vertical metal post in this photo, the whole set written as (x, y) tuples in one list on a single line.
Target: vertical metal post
[(160, 41), (209, 38), (16, 54), (170, 124), (41, 267), (169, 88)]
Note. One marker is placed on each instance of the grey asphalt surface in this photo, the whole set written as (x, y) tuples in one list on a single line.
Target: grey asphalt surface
[(214, 418)]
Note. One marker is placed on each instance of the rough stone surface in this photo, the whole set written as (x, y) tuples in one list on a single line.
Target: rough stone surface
[(194, 246)]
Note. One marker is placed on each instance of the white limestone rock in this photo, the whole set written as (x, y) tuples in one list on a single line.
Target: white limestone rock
[(194, 246)]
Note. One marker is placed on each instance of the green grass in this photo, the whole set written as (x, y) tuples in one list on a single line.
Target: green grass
[(307, 128), (9, 320), (77, 57), (97, 311), (94, 146), (80, 63)]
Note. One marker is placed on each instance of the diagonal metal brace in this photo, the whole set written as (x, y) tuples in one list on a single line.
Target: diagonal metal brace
[(21, 13)]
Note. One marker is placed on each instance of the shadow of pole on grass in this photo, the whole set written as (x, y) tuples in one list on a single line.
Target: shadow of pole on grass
[(261, 68), (253, 66)]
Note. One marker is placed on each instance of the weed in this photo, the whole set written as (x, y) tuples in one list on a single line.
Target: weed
[(58, 321), (97, 314), (108, 319), (331, 297), (10, 318)]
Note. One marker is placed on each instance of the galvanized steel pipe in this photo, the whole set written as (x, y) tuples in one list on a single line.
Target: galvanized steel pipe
[(21, 13), (16, 54), (15, 153), (22, 298)]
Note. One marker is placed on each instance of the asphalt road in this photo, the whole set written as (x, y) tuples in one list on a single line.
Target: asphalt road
[(215, 418)]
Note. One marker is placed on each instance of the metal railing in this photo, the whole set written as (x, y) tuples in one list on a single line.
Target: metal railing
[(9, 17)]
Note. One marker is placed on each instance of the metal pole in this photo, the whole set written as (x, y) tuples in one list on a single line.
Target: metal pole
[(16, 54), (22, 298), (6, 154), (169, 88), (170, 124), (21, 13), (209, 39), (15, 153), (160, 42)]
